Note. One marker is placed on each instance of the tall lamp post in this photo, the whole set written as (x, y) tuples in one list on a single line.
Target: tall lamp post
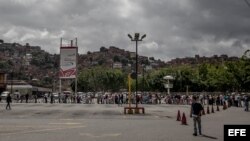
[(11, 83), (143, 82), (136, 39)]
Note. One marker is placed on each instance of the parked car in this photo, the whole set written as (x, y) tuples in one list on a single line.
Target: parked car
[(56, 95), (4, 94)]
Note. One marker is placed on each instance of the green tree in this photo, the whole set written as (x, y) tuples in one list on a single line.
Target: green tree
[(116, 59), (100, 79), (103, 49)]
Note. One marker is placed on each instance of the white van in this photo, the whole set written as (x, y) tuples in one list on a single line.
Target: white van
[(4, 94)]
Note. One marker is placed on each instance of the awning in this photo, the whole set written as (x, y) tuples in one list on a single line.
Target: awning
[(41, 89), (19, 86)]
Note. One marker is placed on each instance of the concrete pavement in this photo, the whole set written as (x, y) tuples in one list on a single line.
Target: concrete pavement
[(93, 122)]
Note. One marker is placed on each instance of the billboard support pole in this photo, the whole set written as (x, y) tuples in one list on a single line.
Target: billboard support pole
[(76, 71), (60, 86), (60, 80)]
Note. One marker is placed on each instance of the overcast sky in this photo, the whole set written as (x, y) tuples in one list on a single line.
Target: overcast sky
[(174, 28)]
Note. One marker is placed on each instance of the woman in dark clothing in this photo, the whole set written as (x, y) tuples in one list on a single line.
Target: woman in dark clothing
[(8, 100)]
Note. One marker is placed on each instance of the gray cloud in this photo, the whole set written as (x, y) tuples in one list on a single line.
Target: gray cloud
[(174, 28)]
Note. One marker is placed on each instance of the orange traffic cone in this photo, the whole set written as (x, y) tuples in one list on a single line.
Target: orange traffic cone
[(208, 112), (218, 109), (178, 116), (212, 109), (184, 120)]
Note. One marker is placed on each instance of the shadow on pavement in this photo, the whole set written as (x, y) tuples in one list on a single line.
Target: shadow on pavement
[(207, 136)]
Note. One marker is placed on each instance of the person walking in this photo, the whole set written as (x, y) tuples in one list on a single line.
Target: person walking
[(196, 112), (8, 100)]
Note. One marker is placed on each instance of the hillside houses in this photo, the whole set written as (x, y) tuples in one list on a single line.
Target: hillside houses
[(215, 59), (28, 62), (114, 57)]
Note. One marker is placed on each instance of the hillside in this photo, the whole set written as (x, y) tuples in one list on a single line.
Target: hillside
[(32, 63)]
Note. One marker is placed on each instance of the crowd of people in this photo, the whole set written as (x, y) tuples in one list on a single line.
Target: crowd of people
[(237, 100), (197, 102)]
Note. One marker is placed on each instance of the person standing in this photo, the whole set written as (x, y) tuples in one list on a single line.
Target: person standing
[(27, 97), (59, 97), (45, 98), (121, 99), (196, 112), (246, 100), (51, 98), (8, 100), (35, 96), (17, 94)]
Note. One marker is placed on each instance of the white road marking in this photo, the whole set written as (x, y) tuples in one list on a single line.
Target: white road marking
[(100, 136), (67, 123), (43, 130), (67, 119)]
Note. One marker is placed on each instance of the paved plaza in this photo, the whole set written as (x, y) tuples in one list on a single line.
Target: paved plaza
[(94, 122)]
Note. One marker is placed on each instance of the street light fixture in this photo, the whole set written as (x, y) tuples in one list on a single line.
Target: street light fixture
[(136, 39)]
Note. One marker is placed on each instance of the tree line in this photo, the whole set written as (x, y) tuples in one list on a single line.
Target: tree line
[(223, 77)]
